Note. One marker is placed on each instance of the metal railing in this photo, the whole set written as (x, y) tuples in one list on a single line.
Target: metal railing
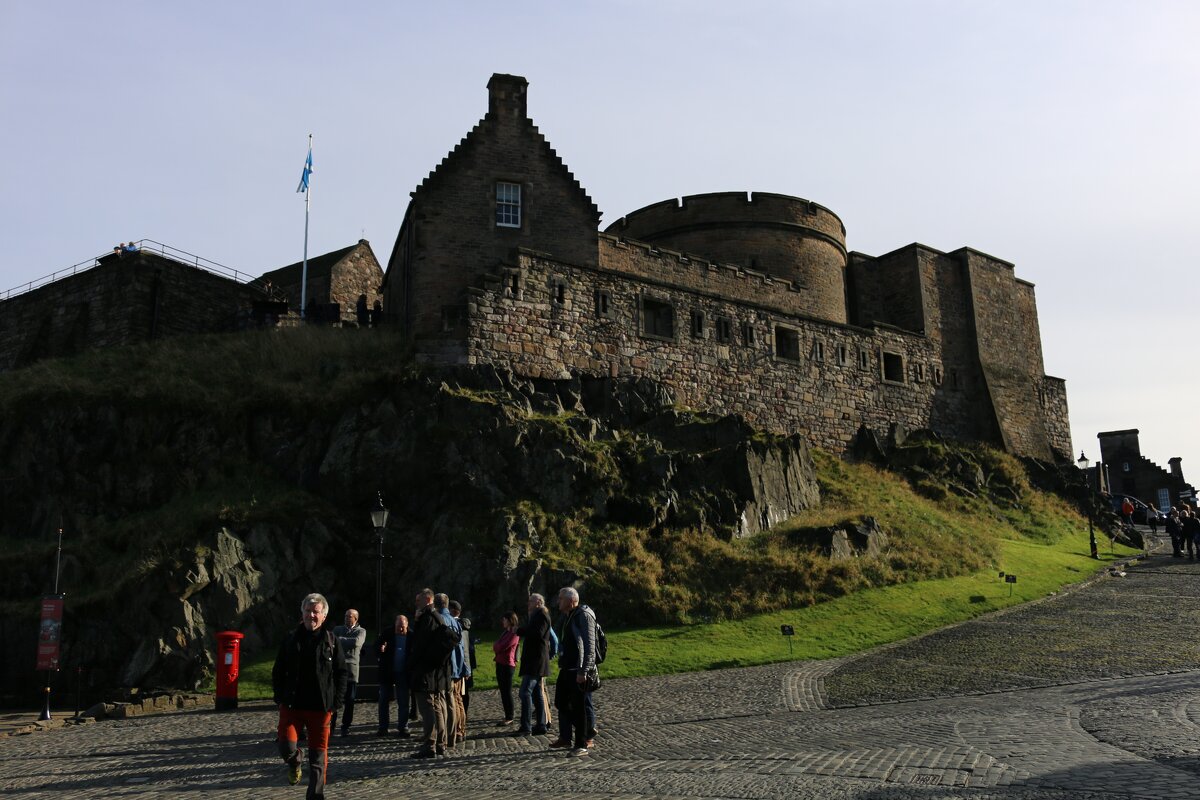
[(143, 245)]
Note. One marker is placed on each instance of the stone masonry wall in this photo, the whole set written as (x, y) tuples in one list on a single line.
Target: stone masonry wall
[(1054, 410), (789, 238), (453, 216), (122, 300), (1009, 353), (568, 319), (888, 289), (356, 274)]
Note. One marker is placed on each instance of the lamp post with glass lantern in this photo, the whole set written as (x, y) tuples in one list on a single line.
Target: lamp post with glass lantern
[(1083, 463), (379, 518)]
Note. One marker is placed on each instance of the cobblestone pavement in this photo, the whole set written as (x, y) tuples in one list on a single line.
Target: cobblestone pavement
[(1090, 694)]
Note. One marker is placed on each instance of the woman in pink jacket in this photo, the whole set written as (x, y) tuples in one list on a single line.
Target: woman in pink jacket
[(506, 662)]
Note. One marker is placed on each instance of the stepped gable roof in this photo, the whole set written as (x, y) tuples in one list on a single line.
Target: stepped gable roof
[(318, 266), (476, 133)]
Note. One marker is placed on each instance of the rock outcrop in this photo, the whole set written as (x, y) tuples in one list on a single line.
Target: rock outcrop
[(180, 523)]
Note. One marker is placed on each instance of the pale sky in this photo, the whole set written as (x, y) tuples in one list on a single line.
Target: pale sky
[(1060, 136)]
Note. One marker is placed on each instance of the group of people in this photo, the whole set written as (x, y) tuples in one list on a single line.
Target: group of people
[(425, 667), (125, 247), (1183, 526)]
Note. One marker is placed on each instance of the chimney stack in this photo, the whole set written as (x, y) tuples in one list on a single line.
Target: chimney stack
[(506, 96)]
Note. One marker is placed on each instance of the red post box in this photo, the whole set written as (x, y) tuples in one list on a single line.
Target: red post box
[(228, 657)]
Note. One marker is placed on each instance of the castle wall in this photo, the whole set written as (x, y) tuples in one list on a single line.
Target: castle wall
[(834, 383), (122, 300), (786, 237), (641, 261), (1055, 412), (887, 289), (1009, 347)]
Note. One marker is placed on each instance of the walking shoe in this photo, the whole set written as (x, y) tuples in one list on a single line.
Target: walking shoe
[(294, 771), (424, 753), (441, 751), (522, 732), (560, 743), (403, 733), (579, 751), (504, 723), (539, 730), (381, 732)]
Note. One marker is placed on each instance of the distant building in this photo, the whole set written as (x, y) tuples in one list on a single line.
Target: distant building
[(334, 279), (1129, 472), (738, 303)]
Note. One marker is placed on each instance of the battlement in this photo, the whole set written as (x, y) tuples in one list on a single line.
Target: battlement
[(760, 208)]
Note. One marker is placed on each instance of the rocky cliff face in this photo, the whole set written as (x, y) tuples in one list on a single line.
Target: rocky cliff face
[(180, 522)]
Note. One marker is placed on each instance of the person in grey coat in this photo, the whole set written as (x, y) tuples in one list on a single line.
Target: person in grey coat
[(351, 638)]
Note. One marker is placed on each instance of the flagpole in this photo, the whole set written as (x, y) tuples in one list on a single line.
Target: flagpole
[(304, 268)]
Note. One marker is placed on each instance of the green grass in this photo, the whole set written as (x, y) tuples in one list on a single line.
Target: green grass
[(839, 627)]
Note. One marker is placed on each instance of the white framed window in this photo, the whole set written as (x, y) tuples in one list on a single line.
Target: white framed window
[(508, 205)]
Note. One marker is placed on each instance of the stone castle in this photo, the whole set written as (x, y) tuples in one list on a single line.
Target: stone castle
[(738, 303)]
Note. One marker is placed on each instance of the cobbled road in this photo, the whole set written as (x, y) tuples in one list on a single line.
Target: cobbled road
[(1094, 693)]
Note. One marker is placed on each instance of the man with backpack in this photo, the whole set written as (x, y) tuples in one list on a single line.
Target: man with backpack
[(308, 680), (431, 645), (577, 675)]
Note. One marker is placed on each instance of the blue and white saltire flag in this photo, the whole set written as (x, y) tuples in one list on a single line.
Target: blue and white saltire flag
[(303, 187)]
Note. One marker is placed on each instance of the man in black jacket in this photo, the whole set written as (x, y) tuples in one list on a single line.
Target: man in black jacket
[(576, 663), (308, 679), (430, 644)]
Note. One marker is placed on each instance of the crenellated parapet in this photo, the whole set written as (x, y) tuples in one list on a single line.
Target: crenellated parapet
[(787, 237)]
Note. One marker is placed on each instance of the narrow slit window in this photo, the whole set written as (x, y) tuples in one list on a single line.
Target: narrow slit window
[(603, 303), (724, 330), (697, 324)]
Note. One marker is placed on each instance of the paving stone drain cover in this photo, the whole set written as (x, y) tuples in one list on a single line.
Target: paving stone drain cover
[(927, 780)]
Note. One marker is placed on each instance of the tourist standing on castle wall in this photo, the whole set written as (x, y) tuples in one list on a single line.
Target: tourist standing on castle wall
[(362, 311), (391, 652), (351, 636), (535, 666), (576, 672), (308, 679), (505, 649)]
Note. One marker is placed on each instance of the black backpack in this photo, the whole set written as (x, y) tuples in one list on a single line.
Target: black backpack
[(601, 644)]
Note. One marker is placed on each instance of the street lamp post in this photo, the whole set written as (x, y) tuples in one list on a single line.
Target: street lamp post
[(379, 518), (1083, 463)]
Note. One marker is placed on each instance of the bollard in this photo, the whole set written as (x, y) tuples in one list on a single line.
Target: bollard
[(228, 658)]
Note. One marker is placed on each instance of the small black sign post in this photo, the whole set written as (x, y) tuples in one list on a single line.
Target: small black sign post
[(788, 631), (1010, 580)]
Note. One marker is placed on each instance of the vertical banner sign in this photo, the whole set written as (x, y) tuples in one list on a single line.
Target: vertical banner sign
[(50, 632)]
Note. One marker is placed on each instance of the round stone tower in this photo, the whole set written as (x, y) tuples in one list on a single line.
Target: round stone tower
[(786, 237)]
